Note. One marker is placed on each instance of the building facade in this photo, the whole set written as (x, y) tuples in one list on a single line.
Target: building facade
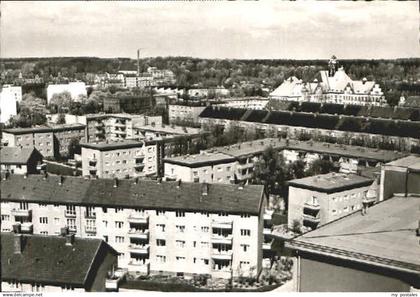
[(184, 113), (9, 97), (157, 227), (316, 200), (19, 160), (119, 159)]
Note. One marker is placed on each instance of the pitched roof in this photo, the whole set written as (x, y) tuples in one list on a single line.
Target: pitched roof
[(331, 182), (48, 260), (385, 236), (290, 87), (146, 194), (16, 155)]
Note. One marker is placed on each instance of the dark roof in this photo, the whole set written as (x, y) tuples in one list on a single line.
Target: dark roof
[(45, 129), (199, 160), (385, 236), (146, 194), (331, 182), (16, 155), (109, 146), (48, 260), (222, 112)]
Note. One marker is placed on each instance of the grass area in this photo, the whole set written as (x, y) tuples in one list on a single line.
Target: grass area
[(62, 169)]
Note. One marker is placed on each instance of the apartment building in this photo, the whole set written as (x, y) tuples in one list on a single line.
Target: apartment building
[(128, 103), (9, 97), (63, 263), (50, 141), (76, 90), (119, 159), (257, 103), (400, 176), (19, 160), (157, 227), (377, 252), (187, 113), (404, 134), (236, 162), (316, 200), (153, 131)]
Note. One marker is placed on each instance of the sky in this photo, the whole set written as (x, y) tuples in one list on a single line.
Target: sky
[(213, 29)]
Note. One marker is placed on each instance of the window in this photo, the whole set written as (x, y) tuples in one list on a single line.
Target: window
[(181, 259), (180, 214), (160, 212), (205, 213), (104, 210), (204, 244), (119, 209), (71, 223), (42, 205), (243, 263), (160, 242), (160, 259), (44, 232), (245, 232), (70, 209), (24, 205), (180, 228), (204, 229), (5, 217), (119, 224), (194, 243), (160, 227), (245, 247), (106, 238), (119, 239), (334, 211), (180, 243), (222, 214), (43, 220), (245, 215), (205, 261)]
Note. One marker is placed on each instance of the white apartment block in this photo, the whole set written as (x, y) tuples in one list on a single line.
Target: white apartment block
[(9, 97), (76, 89), (157, 227), (119, 159), (317, 200), (187, 113), (257, 103)]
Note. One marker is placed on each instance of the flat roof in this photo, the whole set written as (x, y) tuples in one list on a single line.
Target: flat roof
[(331, 182), (385, 236), (411, 162), (45, 129), (114, 145), (147, 194), (251, 147), (199, 160), (180, 130)]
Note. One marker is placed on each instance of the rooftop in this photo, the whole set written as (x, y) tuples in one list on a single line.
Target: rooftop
[(16, 155), (113, 145), (45, 129), (147, 194), (385, 236), (331, 182), (199, 160), (411, 162), (170, 129), (251, 147), (48, 260)]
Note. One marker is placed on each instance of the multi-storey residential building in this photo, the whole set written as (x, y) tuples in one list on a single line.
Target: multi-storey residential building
[(319, 199), (378, 252), (240, 159), (187, 113), (170, 227), (173, 93), (153, 131), (400, 176), (128, 103), (258, 103), (39, 263), (9, 97), (76, 90), (119, 159), (402, 134), (51, 141), (19, 160), (336, 87)]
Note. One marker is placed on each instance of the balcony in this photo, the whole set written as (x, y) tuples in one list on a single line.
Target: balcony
[(311, 219), (139, 234), (142, 266), (268, 214), (92, 162), (27, 228), (138, 218), (222, 223), (90, 229), (267, 231), (139, 165), (69, 214), (90, 215), (245, 166), (98, 125), (312, 206), (267, 245), (221, 239), (221, 255), (25, 213), (139, 249), (119, 125)]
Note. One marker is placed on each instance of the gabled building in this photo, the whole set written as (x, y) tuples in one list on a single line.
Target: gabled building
[(39, 263), (19, 160)]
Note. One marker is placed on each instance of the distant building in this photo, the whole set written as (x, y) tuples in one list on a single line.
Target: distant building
[(411, 102), (39, 263), (320, 199), (336, 87), (157, 132), (50, 141), (128, 104), (9, 97), (187, 113), (119, 159), (156, 227), (257, 103), (76, 89), (377, 252), (19, 160)]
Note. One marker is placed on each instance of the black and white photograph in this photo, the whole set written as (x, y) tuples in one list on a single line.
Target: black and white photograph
[(209, 147)]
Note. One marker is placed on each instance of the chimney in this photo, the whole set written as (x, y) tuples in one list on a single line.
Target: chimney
[(115, 182), (18, 243), (69, 239), (204, 189), (60, 180), (64, 231)]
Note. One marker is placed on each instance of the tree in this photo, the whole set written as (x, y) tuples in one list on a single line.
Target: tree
[(296, 226), (61, 101), (73, 147), (320, 166), (27, 118), (61, 119)]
